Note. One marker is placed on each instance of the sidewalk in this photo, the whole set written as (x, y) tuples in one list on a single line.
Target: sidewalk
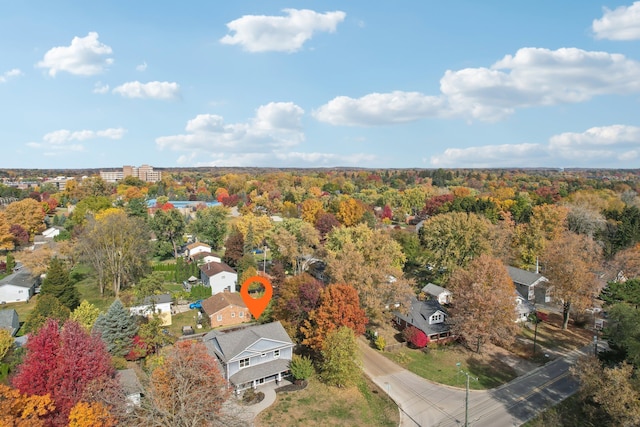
[(250, 412)]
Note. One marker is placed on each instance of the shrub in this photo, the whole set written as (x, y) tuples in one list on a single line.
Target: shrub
[(415, 337), (301, 367), (380, 343)]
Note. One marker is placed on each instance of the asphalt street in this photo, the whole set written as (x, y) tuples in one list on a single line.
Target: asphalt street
[(425, 404)]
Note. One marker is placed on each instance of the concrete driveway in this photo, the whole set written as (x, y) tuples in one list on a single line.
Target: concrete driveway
[(423, 403)]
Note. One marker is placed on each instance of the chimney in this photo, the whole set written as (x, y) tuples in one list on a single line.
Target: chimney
[(537, 266)]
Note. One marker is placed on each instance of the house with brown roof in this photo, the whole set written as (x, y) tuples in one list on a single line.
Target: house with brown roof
[(226, 309), (219, 277)]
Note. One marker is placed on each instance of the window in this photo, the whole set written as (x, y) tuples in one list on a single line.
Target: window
[(219, 317), (233, 314), (244, 363), (241, 314), (276, 354), (263, 355)]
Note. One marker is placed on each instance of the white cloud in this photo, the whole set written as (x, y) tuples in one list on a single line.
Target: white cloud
[(151, 90), (85, 56), (276, 125), (100, 88), (277, 159), (623, 23), (606, 146), (379, 109), (142, 67), (4, 77), (531, 77), (260, 33), (66, 140)]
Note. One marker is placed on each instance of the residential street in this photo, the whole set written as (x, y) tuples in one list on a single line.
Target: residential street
[(423, 403)]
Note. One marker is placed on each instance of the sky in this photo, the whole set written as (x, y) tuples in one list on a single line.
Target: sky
[(377, 84)]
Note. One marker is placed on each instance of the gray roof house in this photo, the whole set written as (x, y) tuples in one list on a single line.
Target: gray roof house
[(533, 286), (523, 308), (9, 320), (19, 286), (253, 355), (428, 316), (437, 292)]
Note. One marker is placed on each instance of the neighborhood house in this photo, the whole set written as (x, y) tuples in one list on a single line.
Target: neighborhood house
[(219, 277), (9, 320), (533, 286), (18, 287), (428, 316), (437, 292), (226, 309), (253, 355), (159, 305)]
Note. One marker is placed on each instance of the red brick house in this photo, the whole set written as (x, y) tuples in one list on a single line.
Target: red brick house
[(226, 309)]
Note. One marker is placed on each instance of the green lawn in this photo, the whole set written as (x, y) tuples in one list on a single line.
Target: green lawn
[(439, 365), (321, 405)]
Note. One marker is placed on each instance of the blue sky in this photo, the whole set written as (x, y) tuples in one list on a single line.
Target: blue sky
[(304, 84)]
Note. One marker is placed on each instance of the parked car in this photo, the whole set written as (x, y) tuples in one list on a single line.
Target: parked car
[(197, 304)]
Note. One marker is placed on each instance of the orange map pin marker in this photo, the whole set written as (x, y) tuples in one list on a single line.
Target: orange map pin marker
[(256, 305)]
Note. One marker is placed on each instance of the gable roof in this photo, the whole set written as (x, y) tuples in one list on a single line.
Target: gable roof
[(524, 277), (9, 320), (434, 290), (231, 344), (221, 300), (212, 268), (21, 278), (419, 314), (156, 299), (198, 244)]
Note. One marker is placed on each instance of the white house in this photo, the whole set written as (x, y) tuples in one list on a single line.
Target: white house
[(18, 287), (196, 248), (155, 304), (52, 232), (438, 292), (219, 276), (523, 308), (253, 355)]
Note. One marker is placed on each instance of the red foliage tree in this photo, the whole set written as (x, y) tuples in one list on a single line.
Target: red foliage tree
[(20, 235), (387, 213), (416, 337), (139, 349), (62, 363), (230, 200), (325, 223), (167, 206), (53, 204), (432, 205)]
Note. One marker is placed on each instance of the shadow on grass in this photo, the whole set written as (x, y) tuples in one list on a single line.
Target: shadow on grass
[(491, 372)]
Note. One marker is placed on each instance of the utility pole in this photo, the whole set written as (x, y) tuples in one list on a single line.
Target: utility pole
[(466, 398)]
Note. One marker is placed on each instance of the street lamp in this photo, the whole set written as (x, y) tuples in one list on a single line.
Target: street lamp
[(466, 398)]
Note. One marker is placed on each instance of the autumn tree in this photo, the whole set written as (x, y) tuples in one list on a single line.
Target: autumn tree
[(117, 247), (58, 284), (186, 390), (610, 395), (61, 363), (339, 306), (234, 248), (91, 414), (47, 307), (88, 207), (340, 361), (210, 225), (569, 263), (259, 225), (370, 261), (484, 308), (547, 223), (86, 315), (6, 236), (325, 223), (27, 213), (169, 226), (292, 240), (22, 410), (453, 239), (297, 297), (415, 336), (311, 209), (36, 261), (117, 328), (350, 211), (6, 342), (20, 235)]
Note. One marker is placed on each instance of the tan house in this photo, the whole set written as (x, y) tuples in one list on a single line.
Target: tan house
[(226, 309)]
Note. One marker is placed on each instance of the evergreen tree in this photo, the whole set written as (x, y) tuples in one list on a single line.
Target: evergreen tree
[(11, 262), (47, 307), (58, 284), (117, 328), (248, 240)]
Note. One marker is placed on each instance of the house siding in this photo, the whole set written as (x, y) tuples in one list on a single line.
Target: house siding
[(221, 281), (256, 359), (12, 293), (227, 320)]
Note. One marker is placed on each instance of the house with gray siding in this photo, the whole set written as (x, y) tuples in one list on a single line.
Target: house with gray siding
[(534, 287), (253, 355)]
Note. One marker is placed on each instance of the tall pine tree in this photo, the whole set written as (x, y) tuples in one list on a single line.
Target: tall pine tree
[(117, 328), (58, 284)]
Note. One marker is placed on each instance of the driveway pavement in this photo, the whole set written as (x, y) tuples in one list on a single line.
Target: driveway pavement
[(423, 403)]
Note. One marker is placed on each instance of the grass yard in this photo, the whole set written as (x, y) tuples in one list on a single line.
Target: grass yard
[(439, 365), (321, 405)]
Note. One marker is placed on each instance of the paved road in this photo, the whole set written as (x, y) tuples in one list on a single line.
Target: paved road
[(425, 404)]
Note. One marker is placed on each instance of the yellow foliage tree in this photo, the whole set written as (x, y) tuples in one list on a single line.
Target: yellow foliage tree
[(311, 208), (261, 225), (28, 213), (350, 212), (6, 238), (6, 342), (107, 212), (21, 410), (90, 414)]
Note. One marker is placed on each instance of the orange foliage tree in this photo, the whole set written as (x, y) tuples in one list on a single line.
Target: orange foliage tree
[(23, 410), (339, 306), (90, 414)]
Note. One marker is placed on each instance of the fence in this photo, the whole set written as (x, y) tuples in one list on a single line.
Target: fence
[(393, 347)]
